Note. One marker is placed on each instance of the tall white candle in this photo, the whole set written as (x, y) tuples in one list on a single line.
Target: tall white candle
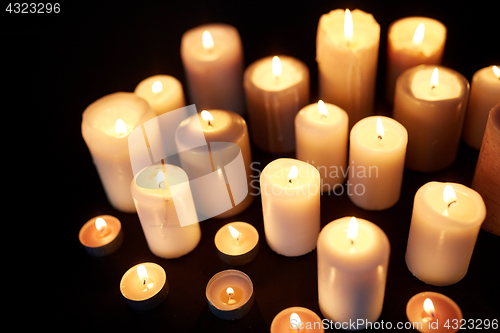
[(163, 93)]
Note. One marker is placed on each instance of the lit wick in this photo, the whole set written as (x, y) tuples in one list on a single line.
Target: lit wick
[(293, 173), (230, 295)]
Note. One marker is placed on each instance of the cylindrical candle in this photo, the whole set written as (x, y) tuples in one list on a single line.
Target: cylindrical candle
[(486, 180), (106, 125), (297, 319), (275, 91), (290, 191), (431, 105), (101, 235), (353, 256), (347, 54), (237, 243), (212, 56), (444, 226), (321, 140), (166, 210), (412, 41), (144, 286), (163, 93), (377, 158), (484, 95), (432, 317)]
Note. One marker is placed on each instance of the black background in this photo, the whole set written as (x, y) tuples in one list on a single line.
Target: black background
[(55, 65)]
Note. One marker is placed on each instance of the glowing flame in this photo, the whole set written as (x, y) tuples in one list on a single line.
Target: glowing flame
[(429, 307), (352, 229), (160, 177), (294, 320), (207, 40), (380, 129), (449, 195), (120, 127), (276, 65), (435, 78), (143, 274), (207, 116), (418, 37), (230, 292), (235, 233), (348, 27), (496, 70), (157, 87), (322, 108), (100, 224), (294, 172)]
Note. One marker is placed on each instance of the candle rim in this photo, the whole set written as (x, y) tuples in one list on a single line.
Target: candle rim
[(88, 230), (246, 246), (391, 126), (432, 39), (154, 270), (235, 274), (414, 305)]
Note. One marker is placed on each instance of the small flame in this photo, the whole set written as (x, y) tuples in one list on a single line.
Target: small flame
[(157, 87), (322, 108), (234, 232), (100, 224), (434, 78), (207, 116), (230, 292), (120, 127), (418, 37), (380, 129), (449, 195), (352, 229), (294, 172), (276, 66), (429, 307), (496, 70), (207, 40), (160, 177), (294, 320), (143, 274), (348, 26)]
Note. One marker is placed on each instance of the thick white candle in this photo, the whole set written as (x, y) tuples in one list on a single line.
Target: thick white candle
[(163, 93), (353, 257), (290, 191), (432, 109), (106, 125), (274, 95), (213, 63), (347, 64), (443, 232), (376, 161), (484, 95), (321, 131)]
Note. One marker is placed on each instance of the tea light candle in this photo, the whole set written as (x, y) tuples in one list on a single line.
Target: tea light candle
[(163, 93), (297, 319), (444, 226), (144, 286), (377, 159), (106, 125), (430, 312), (347, 53), (431, 105), (212, 56), (291, 206), (353, 256), (237, 243), (321, 140), (412, 41), (276, 88), (230, 294), (484, 95), (101, 235)]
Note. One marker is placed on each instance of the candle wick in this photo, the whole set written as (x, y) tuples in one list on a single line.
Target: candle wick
[(290, 180), (352, 242), (454, 201), (433, 87), (380, 137)]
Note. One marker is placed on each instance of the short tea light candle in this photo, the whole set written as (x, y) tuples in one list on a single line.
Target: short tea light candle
[(297, 319), (237, 243), (163, 93), (101, 235), (433, 312)]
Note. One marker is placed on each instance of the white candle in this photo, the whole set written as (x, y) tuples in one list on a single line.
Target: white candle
[(444, 226), (212, 56), (275, 91), (163, 93), (101, 235), (290, 191), (412, 41), (106, 125), (347, 54), (237, 243), (166, 210), (377, 158), (321, 131), (484, 95), (297, 319), (432, 108), (353, 256)]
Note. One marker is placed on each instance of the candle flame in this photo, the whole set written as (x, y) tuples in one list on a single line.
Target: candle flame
[(160, 177), (157, 87), (207, 116), (276, 66), (235, 233), (348, 26), (100, 224), (434, 78), (429, 307), (380, 129), (207, 40), (322, 108), (352, 229), (294, 320), (143, 274), (230, 292), (449, 195), (294, 172), (120, 127), (496, 70), (418, 37)]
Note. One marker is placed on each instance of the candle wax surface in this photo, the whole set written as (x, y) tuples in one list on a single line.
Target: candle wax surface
[(91, 237), (445, 308), (216, 289), (147, 179), (464, 210), (263, 76), (369, 137), (226, 243), (309, 321), (134, 289), (448, 86), (402, 32)]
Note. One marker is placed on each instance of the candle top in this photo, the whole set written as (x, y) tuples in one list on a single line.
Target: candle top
[(389, 137), (278, 172), (333, 114), (490, 74), (444, 309), (267, 78), (291, 319), (228, 244), (157, 89), (148, 179), (447, 86), (94, 234), (217, 289), (138, 286), (401, 35)]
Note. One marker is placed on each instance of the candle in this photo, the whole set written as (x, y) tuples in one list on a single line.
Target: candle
[(347, 52), (101, 235), (486, 180), (321, 140), (291, 206), (297, 319), (144, 286), (230, 294), (412, 41), (444, 226), (433, 312), (219, 171), (276, 88), (431, 104), (484, 95), (106, 125), (212, 56), (377, 158), (163, 93), (353, 256), (237, 243), (166, 210)]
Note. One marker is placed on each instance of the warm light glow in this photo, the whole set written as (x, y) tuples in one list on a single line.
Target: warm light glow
[(429, 307), (207, 116), (143, 274), (120, 127), (230, 292), (434, 78), (160, 177), (294, 172), (276, 65), (157, 87), (380, 129), (235, 233), (207, 40), (348, 27), (418, 37), (496, 70), (322, 108), (294, 320), (100, 224), (449, 195), (352, 229)]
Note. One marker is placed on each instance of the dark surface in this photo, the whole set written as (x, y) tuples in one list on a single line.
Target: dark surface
[(56, 65)]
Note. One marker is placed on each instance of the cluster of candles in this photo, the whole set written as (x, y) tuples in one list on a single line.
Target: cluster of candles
[(430, 104)]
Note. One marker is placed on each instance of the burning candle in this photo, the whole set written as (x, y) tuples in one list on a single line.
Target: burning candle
[(433, 312), (163, 93), (297, 319), (101, 235), (237, 243)]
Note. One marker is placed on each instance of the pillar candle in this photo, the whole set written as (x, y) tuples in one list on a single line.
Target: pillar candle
[(275, 91), (321, 140), (444, 226), (353, 257), (166, 210), (291, 206), (377, 158), (486, 180), (408, 47), (347, 55), (297, 319), (163, 93), (484, 95), (429, 312), (212, 56), (432, 109), (106, 125)]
